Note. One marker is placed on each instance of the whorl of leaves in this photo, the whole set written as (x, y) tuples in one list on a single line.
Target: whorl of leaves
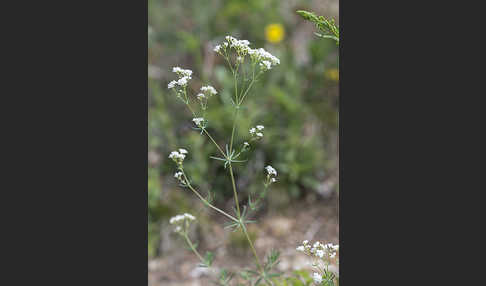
[(327, 27)]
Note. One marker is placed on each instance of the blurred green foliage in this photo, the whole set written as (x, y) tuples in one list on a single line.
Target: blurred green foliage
[(297, 102)]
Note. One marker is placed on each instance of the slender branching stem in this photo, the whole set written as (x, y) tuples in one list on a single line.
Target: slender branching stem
[(207, 133), (205, 201), (257, 260), (216, 144), (193, 248), (242, 223), (234, 191)]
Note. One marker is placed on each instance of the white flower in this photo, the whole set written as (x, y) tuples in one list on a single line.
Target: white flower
[(266, 64), (210, 89), (180, 218), (178, 175), (317, 278), (183, 72), (200, 96), (271, 170), (332, 255), (183, 80), (240, 59), (320, 253), (246, 144), (259, 134), (273, 180), (176, 219), (183, 151), (252, 130), (260, 55), (177, 229), (216, 48), (305, 242), (177, 157), (189, 216), (300, 248), (172, 84), (198, 120), (260, 127)]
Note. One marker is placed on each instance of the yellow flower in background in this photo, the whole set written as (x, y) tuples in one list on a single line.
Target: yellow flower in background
[(332, 74), (274, 33)]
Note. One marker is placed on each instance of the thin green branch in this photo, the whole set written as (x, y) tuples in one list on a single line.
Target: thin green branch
[(193, 248), (205, 201), (243, 227)]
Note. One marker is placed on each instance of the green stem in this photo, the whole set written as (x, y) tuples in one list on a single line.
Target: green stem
[(193, 248), (233, 130), (207, 133), (249, 86), (234, 191), (243, 227), (205, 201), (219, 148)]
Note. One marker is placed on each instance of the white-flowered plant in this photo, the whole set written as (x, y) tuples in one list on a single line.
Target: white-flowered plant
[(246, 65), (323, 255)]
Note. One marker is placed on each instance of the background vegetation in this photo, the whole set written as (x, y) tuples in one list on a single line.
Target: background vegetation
[(297, 102)]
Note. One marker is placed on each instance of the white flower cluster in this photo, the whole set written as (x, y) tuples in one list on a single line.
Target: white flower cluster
[(271, 171), (184, 77), (260, 55), (208, 91), (178, 156), (179, 220), (323, 253), (265, 59), (199, 121), (237, 44), (255, 132), (180, 176), (319, 250), (317, 278), (271, 174)]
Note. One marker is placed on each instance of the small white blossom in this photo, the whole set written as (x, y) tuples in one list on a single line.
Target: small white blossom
[(183, 72), (271, 170), (200, 96), (320, 253), (259, 134), (183, 151), (217, 48), (178, 175), (300, 248), (246, 144), (172, 84), (198, 120), (252, 131), (211, 90), (181, 218), (189, 216), (260, 127), (317, 278), (177, 157), (305, 242), (183, 80), (266, 65), (273, 180), (240, 59), (176, 219)]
